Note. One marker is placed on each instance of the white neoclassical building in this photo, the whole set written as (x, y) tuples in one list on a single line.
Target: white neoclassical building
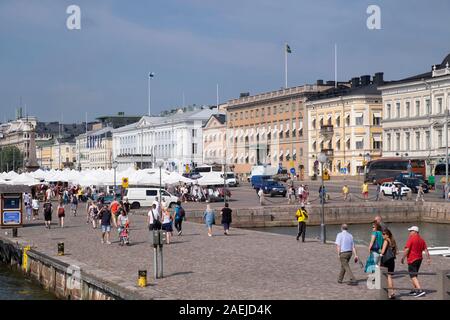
[(176, 140), (414, 115)]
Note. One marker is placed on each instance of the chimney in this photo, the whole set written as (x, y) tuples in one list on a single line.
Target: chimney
[(378, 78), (355, 82), (320, 82), (365, 80), (330, 83)]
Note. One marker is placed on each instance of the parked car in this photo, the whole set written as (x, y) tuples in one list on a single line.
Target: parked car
[(231, 179), (268, 185), (144, 197), (412, 182), (386, 188)]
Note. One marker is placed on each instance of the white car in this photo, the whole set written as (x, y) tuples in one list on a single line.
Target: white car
[(386, 188), (144, 197)]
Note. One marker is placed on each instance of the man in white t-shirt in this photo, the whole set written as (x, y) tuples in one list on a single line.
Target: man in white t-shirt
[(156, 203), (153, 215), (261, 196)]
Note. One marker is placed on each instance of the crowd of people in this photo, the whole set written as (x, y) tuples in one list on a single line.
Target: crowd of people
[(196, 193)]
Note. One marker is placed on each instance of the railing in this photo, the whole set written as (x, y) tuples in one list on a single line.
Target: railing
[(326, 129), (381, 273), (328, 152)]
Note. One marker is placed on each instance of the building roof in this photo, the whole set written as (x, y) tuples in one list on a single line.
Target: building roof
[(423, 76), (220, 117), (344, 91)]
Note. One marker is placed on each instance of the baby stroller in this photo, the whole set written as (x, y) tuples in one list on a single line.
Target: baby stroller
[(124, 235)]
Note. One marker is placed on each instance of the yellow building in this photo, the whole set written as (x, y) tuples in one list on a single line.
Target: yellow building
[(58, 155), (268, 129), (345, 124)]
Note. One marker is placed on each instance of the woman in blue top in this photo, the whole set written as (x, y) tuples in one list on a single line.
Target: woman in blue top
[(376, 242), (208, 216)]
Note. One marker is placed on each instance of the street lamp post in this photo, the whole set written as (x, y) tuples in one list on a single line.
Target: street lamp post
[(446, 153), (115, 165), (322, 159), (160, 163)]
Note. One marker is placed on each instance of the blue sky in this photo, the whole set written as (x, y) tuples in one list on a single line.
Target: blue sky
[(192, 45)]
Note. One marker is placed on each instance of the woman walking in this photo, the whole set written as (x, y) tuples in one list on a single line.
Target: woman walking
[(167, 223), (376, 242), (74, 205), (388, 253), (48, 210), (208, 217), (226, 218), (35, 205), (61, 214)]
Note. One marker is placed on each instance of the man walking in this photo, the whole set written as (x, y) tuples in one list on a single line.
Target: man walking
[(345, 192), (226, 218), (345, 248), (179, 217), (420, 194), (105, 215), (302, 217), (378, 192), (261, 196), (414, 247)]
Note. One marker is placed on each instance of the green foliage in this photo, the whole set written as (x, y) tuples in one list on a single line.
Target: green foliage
[(10, 158)]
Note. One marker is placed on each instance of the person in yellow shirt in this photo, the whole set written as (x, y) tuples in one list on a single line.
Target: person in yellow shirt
[(302, 217), (365, 190), (345, 192)]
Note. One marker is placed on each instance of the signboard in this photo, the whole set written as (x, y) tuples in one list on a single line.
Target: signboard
[(343, 170), (293, 170), (124, 183), (11, 203), (11, 217)]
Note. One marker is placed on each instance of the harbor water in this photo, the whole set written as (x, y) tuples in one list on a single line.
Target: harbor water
[(435, 235)]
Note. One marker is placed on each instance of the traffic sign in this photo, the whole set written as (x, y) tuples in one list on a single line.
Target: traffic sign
[(293, 170), (343, 170), (124, 183)]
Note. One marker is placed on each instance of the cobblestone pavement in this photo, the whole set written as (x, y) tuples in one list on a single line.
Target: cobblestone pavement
[(244, 265)]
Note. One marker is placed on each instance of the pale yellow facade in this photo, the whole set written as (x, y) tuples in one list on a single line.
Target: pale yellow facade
[(347, 129)]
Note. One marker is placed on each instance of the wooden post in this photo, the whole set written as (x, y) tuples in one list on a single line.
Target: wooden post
[(444, 284), (381, 282)]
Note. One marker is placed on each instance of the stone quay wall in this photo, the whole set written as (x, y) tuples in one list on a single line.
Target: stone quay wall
[(351, 213), (63, 279)]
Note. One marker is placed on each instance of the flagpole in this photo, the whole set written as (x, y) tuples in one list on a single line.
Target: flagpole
[(285, 66), (335, 65)]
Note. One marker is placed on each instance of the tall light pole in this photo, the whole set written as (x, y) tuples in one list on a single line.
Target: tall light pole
[(322, 159), (446, 153), (115, 165), (428, 86), (160, 164), (150, 76)]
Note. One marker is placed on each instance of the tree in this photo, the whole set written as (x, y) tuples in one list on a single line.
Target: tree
[(10, 158)]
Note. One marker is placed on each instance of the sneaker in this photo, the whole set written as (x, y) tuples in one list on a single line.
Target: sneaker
[(179, 233), (103, 241), (412, 293), (352, 283), (340, 281), (108, 242), (420, 293), (209, 235)]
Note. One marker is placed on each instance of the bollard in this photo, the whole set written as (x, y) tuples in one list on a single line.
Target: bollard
[(25, 262), (14, 233), (142, 280), (60, 248)]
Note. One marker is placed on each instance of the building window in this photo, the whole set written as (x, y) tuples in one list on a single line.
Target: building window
[(417, 108), (407, 141), (301, 152), (294, 133), (360, 145), (427, 140), (274, 110), (388, 111), (321, 123), (338, 145), (194, 133), (262, 112), (268, 111), (439, 138), (347, 121), (359, 121), (313, 123), (397, 141), (376, 121), (246, 114), (408, 114), (428, 106), (388, 147), (417, 140), (314, 146), (257, 113), (377, 145), (194, 148), (439, 103), (348, 144), (397, 107), (338, 121), (242, 115)]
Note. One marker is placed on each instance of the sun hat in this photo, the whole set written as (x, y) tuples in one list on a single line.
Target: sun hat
[(414, 228)]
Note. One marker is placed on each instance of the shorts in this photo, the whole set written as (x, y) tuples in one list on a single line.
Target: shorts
[(167, 227), (47, 216), (414, 267), (106, 228), (365, 193)]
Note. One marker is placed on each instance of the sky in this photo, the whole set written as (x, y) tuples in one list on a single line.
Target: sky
[(193, 45)]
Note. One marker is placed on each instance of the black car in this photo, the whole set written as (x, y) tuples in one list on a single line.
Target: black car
[(413, 183)]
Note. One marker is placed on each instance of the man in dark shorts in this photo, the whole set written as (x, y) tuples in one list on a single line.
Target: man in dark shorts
[(48, 209), (105, 216), (226, 218), (414, 247)]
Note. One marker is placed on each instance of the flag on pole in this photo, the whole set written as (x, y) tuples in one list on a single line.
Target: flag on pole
[(288, 49), (151, 75)]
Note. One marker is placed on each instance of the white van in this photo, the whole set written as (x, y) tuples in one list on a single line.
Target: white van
[(144, 197), (231, 180)]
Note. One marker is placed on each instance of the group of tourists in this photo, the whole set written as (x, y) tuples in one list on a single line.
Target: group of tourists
[(196, 193), (383, 250)]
